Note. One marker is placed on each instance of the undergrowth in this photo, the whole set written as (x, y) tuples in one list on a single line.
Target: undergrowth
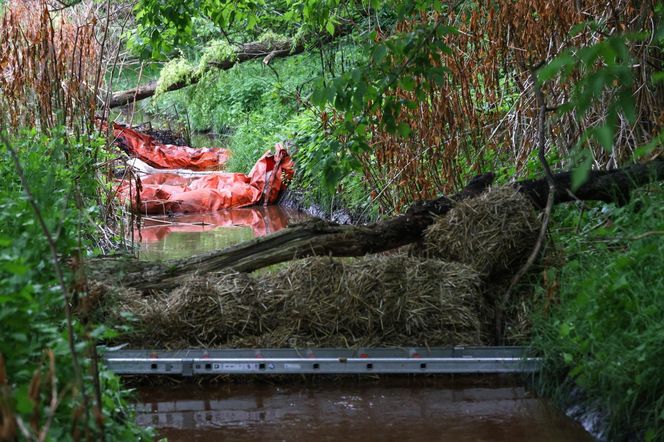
[(603, 334), (60, 172)]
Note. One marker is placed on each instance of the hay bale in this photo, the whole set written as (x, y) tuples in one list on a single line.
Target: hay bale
[(203, 311), (316, 302), (376, 300), (491, 232)]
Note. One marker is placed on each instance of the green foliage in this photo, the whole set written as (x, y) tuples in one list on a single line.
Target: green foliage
[(253, 109), (248, 104), (363, 98), (410, 60), (605, 334), (163, 25), (178, 70), (217, 51), (271, 38), (61, 175), (604, 66)]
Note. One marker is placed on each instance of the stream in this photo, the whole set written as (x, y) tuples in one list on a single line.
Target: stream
[(183, 235), (451, 408), (393, 409), (461, 408)]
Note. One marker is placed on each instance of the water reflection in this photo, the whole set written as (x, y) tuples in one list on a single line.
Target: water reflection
[(398, 409), (163, 237)]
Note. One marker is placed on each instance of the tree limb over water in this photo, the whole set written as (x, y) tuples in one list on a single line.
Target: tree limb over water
[(321, 238)]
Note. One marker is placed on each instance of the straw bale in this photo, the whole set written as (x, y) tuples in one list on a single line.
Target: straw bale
[(491, 232), (376, 299), (370, 301), (202, 311)]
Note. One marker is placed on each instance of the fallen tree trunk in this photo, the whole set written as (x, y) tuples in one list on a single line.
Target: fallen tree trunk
[(243, 52), (317, 237)]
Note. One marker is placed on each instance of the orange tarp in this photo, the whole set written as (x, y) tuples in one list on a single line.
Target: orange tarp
[(168, 156), (165, 193)]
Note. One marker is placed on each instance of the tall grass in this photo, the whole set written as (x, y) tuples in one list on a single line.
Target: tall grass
[(605, 331)]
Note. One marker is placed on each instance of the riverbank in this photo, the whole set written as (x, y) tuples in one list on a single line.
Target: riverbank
[(599, 325)]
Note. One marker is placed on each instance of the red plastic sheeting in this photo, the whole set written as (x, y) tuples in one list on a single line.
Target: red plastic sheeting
[(168, 156), (165, 193)]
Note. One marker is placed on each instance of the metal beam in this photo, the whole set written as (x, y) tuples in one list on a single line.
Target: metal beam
[(410, 360)]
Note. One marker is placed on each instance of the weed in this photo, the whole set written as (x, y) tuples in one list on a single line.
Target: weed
[(604, 332)]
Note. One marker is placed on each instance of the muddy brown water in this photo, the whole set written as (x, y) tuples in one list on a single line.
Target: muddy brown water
[(442, 408), (432, 408), (183, 235)]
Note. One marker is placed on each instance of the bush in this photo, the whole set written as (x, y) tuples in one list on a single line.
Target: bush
[(605, 334), (61, 175)]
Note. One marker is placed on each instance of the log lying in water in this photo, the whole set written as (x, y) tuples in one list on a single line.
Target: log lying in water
[(321, 238)]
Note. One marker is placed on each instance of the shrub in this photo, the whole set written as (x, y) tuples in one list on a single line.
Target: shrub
[(605, 333), (60, 172)]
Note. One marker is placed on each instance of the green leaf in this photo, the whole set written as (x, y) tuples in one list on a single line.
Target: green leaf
[(330, 93), (20, 337), (251, 22), (604, 135), (330, 27), (576, 371), (379, 53), (553, 67), (644, 150), (15, 268), (580, 173), (565, 329), (318, 96), (657, 77), (403, 129), (407, 83), (651, 434), (627, 104), (24, 404)]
